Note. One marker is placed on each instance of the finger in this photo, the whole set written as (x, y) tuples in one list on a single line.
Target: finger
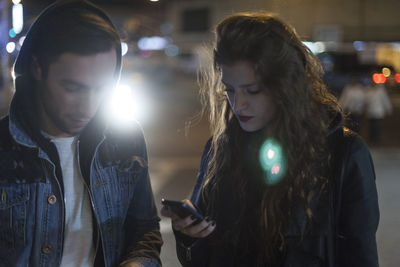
[(193, 230), (179, 224), (207, 231)]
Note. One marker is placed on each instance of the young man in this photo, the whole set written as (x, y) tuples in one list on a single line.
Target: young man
[(74, 191)]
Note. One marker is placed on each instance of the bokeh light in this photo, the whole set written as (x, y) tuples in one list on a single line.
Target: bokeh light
[(397, 77), (10, 47), (124, 48), (21, 40), (378, 78), (276, 169), (152, 43), (270, 154), (386, 72), (172, 50), (316, 47), (358, 45), (17, 17), (12, 33), (272, 161)]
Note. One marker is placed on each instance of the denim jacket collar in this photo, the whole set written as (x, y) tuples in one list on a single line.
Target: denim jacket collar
[(16, 130)]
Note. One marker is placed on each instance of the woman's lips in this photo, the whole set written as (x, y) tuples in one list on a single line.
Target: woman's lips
[(244, 118)]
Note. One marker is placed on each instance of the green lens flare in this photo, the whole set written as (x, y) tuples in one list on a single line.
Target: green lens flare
[(272, 161)]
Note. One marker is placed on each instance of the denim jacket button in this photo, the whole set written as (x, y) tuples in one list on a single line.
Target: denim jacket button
[(52, 199), (46, 249)]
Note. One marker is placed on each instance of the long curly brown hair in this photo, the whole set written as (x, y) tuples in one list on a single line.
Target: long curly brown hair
[(292, 74)]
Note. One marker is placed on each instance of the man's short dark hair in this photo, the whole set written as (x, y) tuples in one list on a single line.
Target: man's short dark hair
[(75, 30)]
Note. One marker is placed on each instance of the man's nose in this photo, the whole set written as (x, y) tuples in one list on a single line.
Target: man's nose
[(89, 103)]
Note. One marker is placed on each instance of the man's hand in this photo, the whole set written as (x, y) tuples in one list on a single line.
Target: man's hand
[(186, 226)]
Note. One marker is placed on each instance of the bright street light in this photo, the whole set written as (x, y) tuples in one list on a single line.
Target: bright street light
[(122, 104), (129, 104)]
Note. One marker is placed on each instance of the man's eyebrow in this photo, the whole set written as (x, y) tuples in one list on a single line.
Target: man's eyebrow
[(72, 82)]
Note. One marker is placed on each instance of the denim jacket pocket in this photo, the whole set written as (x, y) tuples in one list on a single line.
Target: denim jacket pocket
[(13, 201), (121, 183), (127, 178)]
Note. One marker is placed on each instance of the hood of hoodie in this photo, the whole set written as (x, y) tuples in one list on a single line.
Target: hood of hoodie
[(23, 110)]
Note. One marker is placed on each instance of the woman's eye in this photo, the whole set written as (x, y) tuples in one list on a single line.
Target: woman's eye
[(253, 91)]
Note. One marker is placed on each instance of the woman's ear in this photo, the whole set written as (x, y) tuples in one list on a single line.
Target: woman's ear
[(36, 69)]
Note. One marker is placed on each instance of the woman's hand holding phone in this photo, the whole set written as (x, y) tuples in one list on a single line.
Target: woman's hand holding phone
[(189, 225)]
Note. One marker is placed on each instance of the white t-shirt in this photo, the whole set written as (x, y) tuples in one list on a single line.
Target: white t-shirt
[(78, 235)]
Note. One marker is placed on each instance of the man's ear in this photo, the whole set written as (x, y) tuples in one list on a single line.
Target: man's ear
[(36, 69)]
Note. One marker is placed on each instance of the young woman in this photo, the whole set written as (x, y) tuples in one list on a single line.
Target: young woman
[(281, 182)]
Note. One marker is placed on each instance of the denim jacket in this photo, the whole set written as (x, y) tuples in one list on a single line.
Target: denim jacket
[(32, 205)]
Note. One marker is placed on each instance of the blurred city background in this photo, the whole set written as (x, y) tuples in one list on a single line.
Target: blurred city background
[(165, 43)]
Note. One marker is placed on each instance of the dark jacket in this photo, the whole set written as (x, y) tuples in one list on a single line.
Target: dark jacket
[(345, 236), (114, 167)]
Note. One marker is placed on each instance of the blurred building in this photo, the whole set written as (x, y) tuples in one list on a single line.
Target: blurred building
[(349, 36), (315, 20)]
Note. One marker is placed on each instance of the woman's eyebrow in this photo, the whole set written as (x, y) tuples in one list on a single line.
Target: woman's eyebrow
[(248, 84), (245, 85)]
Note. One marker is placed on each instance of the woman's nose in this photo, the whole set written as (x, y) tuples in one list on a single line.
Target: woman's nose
[(240, 102)]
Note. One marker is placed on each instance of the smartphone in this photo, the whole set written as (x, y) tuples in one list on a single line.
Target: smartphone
[(182, 209)]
